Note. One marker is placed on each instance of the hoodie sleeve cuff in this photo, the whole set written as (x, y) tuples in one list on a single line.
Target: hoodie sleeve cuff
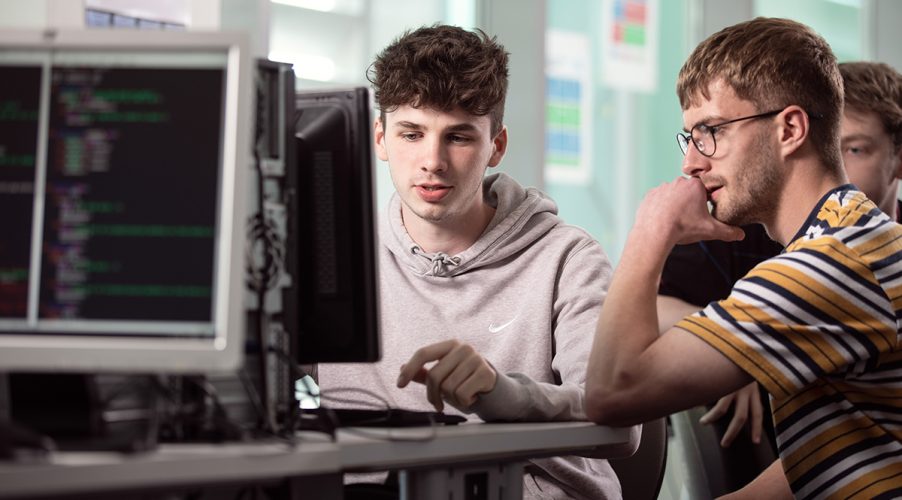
[(504, 402)]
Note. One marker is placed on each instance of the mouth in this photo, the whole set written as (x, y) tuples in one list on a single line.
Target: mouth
[(432, 192), (711, 190)]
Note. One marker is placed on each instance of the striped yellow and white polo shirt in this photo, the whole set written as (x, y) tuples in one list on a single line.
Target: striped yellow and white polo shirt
[(818, 326)]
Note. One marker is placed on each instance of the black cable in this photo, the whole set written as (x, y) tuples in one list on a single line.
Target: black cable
[(266, 419), (219, 417), (332, 423), (261, 230), (294, 410), (255, 398), (191, 413)]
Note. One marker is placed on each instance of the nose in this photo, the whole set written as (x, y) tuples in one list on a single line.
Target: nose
[(433, 155), (695, 163)]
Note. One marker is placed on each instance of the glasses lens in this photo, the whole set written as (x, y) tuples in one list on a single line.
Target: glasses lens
[(683, 141), (702, 138)]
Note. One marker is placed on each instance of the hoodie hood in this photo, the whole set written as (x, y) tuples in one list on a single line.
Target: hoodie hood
[(522, 215)]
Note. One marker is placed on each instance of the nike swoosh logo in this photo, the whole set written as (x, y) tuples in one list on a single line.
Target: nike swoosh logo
[(496, 329)]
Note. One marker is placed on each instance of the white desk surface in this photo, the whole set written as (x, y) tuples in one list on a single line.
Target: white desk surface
[(371, 449), (355, 449)]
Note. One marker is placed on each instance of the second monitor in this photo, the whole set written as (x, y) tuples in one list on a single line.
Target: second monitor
[(333, 304)]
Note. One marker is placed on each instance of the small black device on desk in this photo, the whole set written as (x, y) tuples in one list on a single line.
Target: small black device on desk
[(387, 417)]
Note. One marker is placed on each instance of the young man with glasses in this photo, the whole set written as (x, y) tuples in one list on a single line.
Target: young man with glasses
[(816, 325), (697, 274)]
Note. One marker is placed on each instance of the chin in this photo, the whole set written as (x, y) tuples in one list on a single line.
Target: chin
[(737, 219), (431, 214), (718, 213), (724, 216)]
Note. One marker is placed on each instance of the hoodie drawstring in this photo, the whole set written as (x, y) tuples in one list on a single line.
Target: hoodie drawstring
[(440, 260)]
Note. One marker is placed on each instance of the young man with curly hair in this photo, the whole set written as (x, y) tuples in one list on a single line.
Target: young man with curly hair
[(817, 325), (489, 301)]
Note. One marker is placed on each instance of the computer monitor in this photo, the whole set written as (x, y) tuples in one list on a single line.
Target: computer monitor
[(123, 164), (333, 303)]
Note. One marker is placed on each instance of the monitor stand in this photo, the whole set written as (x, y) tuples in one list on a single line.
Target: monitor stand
[(80, 412)]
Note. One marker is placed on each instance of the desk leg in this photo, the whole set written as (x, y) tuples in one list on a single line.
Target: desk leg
[(494, 481)]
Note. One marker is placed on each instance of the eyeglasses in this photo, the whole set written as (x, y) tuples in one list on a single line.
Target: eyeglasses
[(703, 135)]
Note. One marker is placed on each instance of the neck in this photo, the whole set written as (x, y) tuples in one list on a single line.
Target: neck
[(807, 181), (451, 236), (889, 205)]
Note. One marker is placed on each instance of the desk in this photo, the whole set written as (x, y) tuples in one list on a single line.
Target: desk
[(490, 454), (170, 465)]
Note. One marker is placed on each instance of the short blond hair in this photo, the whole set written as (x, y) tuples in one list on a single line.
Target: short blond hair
[(772, 63)]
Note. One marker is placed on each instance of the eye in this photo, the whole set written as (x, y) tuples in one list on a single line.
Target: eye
[(458, 139), (705, 130), (855, 150), (410, 136)]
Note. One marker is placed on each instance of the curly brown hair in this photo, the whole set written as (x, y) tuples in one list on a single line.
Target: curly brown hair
[(773, 63), (876, 88), (442, 67)]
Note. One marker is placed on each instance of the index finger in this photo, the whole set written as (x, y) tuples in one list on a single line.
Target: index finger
[(423, 355)]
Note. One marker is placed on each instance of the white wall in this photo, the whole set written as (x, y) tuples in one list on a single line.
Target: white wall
[(19, 14), (520, 27), (885, 41)]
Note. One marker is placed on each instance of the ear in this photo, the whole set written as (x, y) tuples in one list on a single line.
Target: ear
[(379, 140), (500, 143), (794, 129)]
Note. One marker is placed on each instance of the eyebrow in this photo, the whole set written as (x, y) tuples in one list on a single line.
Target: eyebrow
[(705, 121), (459, 127), (856, 137), (408, 125), (462, 127)]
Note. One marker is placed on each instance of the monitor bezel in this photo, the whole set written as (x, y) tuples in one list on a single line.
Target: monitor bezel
[(130, 353)]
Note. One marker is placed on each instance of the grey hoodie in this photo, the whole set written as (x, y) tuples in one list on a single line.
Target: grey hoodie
[(525, 295)]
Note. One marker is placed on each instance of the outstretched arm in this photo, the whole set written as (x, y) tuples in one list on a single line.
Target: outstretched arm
[(634, 375), (518, 393)]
